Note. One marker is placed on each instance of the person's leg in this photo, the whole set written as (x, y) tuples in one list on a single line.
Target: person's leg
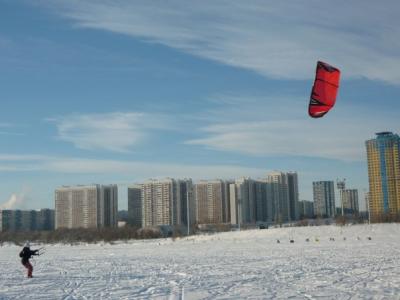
[(25, 266), (30, 270), (29, 267)]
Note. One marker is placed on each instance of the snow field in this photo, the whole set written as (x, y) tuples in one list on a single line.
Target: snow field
[(232, 265)]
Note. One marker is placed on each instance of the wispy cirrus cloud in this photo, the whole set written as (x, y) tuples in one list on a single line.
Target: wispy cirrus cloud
[(7, 157), (282, 138), (260, 126), (276, 39), (140, 170), (8, 129), (115, 131)]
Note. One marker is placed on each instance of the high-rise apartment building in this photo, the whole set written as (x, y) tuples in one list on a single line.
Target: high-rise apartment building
[(86, 206), (293, 188), (242, 201), (273, 199), (161, 202), (350, 201), (135, 206), (383, 154), (187, 202), (324, 198), (283, 194), (264, 202), (226, 202), (212, 201)]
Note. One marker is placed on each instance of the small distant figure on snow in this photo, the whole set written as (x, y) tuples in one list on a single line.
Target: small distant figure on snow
[(307, 240), (369, 238), (291, 241), (25, 255), (344, 238), (278, 241), (332, 239)]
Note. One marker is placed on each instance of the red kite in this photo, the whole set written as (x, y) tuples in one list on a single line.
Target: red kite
[(324, 91)]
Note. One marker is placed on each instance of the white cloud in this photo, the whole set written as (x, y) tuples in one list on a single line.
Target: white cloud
[(295, 137), (150, 170), (139, 170), (110, 131), (10, 133), (255, 126), (279, 39), (280, 127), (21, 157)]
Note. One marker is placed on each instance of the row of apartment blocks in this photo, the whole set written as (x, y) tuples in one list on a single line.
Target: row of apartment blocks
[(273, 199), (174, 201), (26, 220)]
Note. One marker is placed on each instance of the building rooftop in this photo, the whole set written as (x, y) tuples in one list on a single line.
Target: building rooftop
[(383, 133)]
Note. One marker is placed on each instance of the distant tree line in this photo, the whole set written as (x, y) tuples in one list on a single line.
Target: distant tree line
[(71, 236), (109, 235)]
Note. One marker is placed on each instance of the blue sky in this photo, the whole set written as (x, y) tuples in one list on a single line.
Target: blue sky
[(122, 91)]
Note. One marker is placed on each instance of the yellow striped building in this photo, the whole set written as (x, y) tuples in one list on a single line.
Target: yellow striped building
[(384, 176)]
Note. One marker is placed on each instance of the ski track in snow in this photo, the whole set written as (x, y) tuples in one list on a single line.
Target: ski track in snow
[(233, 265)]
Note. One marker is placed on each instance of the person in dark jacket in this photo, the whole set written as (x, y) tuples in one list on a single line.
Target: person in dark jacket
[(25, 255)]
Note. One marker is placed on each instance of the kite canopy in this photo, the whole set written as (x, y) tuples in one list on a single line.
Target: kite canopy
[(324, 91)]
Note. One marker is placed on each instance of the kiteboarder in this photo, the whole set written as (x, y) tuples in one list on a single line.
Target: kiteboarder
[(25, 255)]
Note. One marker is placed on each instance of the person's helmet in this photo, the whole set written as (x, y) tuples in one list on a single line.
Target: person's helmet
[(27, 244)]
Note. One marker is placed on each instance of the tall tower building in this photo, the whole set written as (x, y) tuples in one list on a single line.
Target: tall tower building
[(90, 206), (324, 198), (384, 175)]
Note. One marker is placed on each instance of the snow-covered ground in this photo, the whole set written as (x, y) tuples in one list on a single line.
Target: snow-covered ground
[(234, 265)]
